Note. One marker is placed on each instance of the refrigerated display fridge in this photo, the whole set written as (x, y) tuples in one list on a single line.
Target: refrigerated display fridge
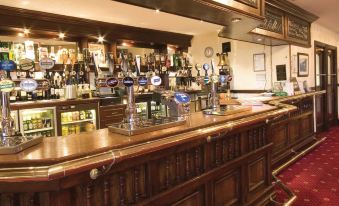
[(142, 110), (75, 119), (38, 122)]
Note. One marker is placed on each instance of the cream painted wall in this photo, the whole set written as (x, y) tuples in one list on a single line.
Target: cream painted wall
[(241, 57), (241, 60)]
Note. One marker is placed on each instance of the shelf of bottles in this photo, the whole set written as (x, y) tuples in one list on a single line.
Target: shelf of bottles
[(76, 122), (70, 67), (38, 122)]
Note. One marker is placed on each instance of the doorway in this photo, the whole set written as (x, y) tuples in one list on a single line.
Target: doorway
[(326, 107)]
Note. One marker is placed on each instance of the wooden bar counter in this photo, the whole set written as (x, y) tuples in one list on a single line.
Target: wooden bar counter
[(211, 160)]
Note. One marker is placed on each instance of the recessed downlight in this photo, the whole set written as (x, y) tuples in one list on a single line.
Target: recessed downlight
[(235, 20)]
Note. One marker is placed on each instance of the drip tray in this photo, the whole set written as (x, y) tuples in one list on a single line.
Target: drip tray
[(12, 145), (144, 126), (228, 110)]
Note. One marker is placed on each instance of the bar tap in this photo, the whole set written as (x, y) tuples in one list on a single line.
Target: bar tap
[(10, 141), (226, 78)]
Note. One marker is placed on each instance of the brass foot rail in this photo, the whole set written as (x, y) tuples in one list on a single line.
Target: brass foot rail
[(290, 193)]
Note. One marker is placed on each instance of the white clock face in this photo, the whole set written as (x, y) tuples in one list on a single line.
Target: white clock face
[(209, 52)]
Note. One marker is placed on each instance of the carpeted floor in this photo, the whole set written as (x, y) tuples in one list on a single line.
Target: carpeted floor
[(315, 177)]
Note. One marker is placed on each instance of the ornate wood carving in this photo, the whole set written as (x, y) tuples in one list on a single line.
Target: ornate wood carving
[(298, 29), (253, 3), (175, 176), (274, 21), (293, 131)]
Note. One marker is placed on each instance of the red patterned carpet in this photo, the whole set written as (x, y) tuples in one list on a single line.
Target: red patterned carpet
[(315, 177)]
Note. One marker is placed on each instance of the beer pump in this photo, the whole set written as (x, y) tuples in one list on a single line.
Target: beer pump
[(229, 105), (10, 140)]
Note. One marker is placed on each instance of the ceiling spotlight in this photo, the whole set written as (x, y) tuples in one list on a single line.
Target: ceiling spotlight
[(21, 34), (157, 11), (26, 31), (124, 44), (61, 35), (259, 39), (235, 20), (101, 39)]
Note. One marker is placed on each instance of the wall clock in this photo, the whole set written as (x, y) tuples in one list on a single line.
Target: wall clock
[(208, 52)]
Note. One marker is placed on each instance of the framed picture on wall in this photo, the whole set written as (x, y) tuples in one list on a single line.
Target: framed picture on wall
[(303, 65), (259, 62)]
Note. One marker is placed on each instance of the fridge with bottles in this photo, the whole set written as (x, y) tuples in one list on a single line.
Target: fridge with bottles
[(75, 119), (38, 122)]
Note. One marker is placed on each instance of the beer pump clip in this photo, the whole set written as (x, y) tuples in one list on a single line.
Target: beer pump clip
[(10, 141), (206, 67)]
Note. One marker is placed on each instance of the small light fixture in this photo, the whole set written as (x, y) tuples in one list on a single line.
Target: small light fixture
[(157, 11), (124, 44), (235, 20), (21, 34), (101, 39), (201, 20), (61, 35), (259, 39), (26, 31)]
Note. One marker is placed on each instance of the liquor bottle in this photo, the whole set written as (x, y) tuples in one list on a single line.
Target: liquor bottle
[(47, 93), (82, 115), (12, 97), (56, 90), (25, 122), (35, 95), (18, 96), (52, 90), (39, 95), (29, 123), (52, 54)]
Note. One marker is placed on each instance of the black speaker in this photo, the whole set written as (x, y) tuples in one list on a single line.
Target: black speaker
[(226, 47)]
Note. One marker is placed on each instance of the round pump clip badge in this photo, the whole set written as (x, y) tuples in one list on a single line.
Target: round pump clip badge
[(7, 65), (142, 81), (128, 81), (6, 85), (46, 63), (156, 80), (112, 82), (182, 98), (28, 85), (206, 67), (26, 64)]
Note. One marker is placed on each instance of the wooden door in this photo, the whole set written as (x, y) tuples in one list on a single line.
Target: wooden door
[(326, 79)]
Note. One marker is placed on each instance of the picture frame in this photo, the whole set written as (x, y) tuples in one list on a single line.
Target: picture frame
[(259, 62), (303, 65)]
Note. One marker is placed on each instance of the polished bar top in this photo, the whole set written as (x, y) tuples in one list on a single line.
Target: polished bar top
[(57, 157), (57, 149)]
